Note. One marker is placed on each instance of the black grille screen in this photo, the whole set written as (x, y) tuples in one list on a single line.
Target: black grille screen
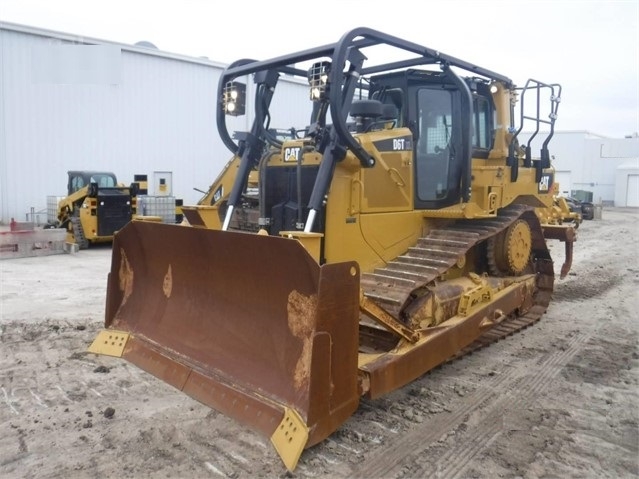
[(281, 199), (114, 211)]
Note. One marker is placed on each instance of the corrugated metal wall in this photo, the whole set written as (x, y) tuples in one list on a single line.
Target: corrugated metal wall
[(159, 116), (586, 161)]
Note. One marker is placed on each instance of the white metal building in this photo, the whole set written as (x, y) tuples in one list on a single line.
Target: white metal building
[(75, 103), (586, 162), (115, 107)]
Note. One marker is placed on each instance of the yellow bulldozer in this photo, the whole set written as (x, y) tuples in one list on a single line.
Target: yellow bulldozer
[(388, 234)]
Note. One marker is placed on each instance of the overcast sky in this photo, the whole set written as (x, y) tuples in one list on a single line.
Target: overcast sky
[(590, 47)]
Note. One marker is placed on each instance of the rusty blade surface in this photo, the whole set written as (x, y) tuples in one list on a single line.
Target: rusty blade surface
[(244, 323)]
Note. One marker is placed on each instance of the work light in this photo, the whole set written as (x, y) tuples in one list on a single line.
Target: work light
[(234, 98), (318, 80)]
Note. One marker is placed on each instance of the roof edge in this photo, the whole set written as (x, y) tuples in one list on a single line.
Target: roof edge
[(43, 32)]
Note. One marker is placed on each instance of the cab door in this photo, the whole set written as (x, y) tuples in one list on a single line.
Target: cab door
[(438, 153)]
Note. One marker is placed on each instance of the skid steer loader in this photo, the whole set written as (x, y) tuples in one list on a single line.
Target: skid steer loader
[(96, 206), (387, 235)]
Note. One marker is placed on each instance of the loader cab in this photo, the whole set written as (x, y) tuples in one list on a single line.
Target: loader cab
[(432, 107), (80, 179)]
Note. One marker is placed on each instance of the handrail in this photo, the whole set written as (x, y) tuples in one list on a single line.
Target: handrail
[(554, 98)]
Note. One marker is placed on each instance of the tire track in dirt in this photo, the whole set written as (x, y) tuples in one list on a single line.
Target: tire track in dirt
[(579, 290), (379, 411), (509, 388), (454, 462), (349, 437)]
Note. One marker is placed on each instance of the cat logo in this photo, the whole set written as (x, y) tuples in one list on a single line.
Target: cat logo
[(291, 153), (546, 183)]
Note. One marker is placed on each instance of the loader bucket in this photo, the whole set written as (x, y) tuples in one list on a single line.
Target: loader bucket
[(247, 324)]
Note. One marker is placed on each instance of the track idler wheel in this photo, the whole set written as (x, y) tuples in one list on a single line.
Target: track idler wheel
[(509, 251)]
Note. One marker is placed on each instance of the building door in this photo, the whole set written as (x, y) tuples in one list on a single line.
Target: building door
[(563, 178), (632, 192)]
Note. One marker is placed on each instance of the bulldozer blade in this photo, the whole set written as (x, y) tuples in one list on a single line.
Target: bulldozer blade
[(249, 325)]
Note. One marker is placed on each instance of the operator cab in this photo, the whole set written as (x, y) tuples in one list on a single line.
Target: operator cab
[(431, 105), (80, 179)]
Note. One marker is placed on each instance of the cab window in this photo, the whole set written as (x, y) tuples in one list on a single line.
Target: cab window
[(77, 183), (103, 181), (482, 125), (433, 149)]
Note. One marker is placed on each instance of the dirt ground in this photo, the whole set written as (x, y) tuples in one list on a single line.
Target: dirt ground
[(559, 399)]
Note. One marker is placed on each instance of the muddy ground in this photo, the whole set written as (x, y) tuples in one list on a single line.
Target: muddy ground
[(559, 399)]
